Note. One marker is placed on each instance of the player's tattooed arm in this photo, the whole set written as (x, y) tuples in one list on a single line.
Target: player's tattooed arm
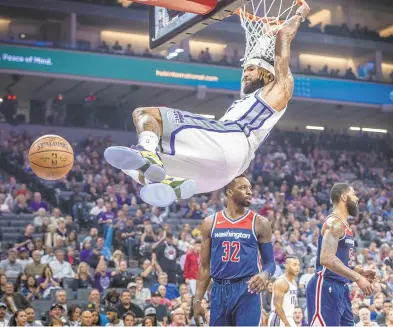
[(280, 288), (369, 274), (203, 270), (332, 231), (281, 92)]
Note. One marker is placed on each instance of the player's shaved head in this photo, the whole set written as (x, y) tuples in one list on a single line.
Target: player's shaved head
[(239, 192)]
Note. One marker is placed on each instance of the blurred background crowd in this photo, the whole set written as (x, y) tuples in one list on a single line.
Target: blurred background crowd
[(86, 250), (365, 70)]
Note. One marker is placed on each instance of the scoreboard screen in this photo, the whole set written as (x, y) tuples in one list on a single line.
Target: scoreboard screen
[(167, 21), (167, 27)]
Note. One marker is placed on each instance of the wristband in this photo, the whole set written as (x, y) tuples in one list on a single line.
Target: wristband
[(196, 300), (299, 14)]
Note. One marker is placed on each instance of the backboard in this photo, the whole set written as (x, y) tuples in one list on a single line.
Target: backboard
[(168, 27)]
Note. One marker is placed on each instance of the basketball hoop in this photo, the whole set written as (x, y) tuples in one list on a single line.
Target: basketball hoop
[(261, 21)]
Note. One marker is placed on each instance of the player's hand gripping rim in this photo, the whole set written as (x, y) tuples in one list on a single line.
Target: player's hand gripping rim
[(199, 313), (303, 10), (257, 283)]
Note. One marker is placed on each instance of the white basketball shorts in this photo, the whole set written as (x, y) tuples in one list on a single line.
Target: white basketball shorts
[(210, 152)]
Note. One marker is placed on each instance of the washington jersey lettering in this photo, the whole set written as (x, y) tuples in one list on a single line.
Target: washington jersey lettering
[(344, 253), (234, 247)]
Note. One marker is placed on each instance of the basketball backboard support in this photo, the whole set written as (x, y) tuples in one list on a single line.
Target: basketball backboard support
[(168, 27), (200, 7)]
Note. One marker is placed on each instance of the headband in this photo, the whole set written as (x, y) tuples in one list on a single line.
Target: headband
[(260, 62)]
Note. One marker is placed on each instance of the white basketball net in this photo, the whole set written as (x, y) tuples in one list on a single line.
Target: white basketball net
[(261, 20)]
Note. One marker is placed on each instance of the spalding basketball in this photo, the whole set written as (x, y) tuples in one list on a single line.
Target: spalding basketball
[(51, 157)]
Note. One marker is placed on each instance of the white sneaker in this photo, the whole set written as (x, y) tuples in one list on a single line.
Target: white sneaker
[(168, 191), (136, 158)]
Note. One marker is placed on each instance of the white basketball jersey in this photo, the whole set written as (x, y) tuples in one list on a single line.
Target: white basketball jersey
[(290, 299), (254, 116)]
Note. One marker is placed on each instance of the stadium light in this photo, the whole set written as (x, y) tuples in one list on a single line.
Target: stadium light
[(321, 16), (355, 128), (374, 130), (1, 100), (316, 128), (386, 32), (172, 55)]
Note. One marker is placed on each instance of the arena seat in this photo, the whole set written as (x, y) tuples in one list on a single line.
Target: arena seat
[(10, 229), (302, 302), (19, 223), (70, 295), (11, 237), (135, 271), (4, 246), (26, 216), (83, 294), (67, 283), (4, 222), (41, 307), (8, 216)]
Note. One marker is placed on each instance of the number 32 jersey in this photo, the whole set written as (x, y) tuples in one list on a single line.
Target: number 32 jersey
[(234, 247)]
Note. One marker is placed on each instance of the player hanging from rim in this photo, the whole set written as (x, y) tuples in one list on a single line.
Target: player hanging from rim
[(208, 154), (236, 242), (284, 298)]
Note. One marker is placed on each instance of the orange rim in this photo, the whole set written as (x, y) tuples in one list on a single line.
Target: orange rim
[(267, 20)]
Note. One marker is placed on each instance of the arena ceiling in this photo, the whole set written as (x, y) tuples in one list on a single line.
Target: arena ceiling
[(300, 112)]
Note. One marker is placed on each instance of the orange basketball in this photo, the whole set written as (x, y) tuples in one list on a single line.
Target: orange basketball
[(51, 157)]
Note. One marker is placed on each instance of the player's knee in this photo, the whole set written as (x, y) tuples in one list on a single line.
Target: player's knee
[(147, 113), (137, 113), (143, 111)]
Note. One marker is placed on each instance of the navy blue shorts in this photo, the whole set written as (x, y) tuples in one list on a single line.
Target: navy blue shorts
[(233, 305), (328, 302)]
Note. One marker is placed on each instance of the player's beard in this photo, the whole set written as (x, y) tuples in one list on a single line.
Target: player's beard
[(245, 203), (253, 86), (352, 208)]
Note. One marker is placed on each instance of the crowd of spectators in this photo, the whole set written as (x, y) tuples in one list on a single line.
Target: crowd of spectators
[(226, 59), (234, 60), (134, 264), (358, 31)]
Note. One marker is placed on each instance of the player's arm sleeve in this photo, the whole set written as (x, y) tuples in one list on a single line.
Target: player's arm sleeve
[(268, 264), (264, 234)]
